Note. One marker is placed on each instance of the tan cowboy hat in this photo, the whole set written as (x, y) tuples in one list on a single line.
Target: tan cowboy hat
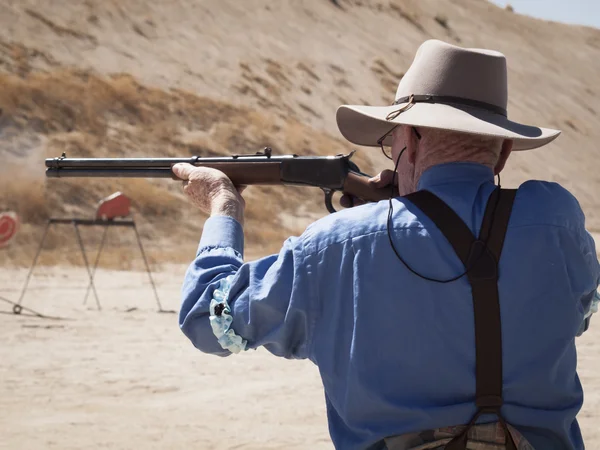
[(449, 88)]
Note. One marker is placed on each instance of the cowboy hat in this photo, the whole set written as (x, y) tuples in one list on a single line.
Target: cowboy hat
[(449, 88)]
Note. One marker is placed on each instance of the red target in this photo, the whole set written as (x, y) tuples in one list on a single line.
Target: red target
[(9, 224)]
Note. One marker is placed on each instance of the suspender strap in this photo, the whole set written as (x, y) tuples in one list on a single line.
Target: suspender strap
[(500, 218), (451, 226), (480, 256)]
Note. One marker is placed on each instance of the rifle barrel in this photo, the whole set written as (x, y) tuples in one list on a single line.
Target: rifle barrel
[(103, 172), (164, 162)]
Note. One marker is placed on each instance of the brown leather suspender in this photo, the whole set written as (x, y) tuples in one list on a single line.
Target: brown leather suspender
[(480, 255)]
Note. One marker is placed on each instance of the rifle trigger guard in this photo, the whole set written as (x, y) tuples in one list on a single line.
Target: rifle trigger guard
[(328, 199)]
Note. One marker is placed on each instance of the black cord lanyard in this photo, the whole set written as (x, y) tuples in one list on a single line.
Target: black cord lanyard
[(389, 223)]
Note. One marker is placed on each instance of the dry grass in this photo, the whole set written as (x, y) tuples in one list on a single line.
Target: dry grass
[(407, 12), (442, 20), (85, 115), (19, 191)]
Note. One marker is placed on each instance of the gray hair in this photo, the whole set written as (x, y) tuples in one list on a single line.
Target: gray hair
[(451, 146)]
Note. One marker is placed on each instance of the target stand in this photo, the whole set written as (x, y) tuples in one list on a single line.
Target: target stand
[(109, 214)]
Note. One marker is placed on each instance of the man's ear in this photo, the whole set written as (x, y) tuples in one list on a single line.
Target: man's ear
[(507, 146), (411, 142)]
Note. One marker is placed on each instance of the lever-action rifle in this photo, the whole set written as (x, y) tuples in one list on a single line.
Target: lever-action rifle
[(330, 173)]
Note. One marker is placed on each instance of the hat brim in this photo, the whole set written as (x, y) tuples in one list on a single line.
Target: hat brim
[(365, 125)]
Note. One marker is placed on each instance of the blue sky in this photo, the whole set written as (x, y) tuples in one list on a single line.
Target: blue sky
[(582, 12)]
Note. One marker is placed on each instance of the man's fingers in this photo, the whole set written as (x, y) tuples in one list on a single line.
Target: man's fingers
[(182, 170), (348, 201)]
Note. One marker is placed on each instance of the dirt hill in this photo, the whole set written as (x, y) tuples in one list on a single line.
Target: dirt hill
[(109, 78)]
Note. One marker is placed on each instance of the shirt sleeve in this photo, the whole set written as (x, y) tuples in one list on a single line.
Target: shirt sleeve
[(591, 299), (269, 299)]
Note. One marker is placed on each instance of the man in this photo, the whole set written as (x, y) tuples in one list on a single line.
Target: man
[(384, 301)]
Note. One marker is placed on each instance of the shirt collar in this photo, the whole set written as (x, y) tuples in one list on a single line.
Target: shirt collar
[(455, 172)]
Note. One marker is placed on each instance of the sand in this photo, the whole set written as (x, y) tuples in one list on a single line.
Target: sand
[(123, 380), (125, 377)]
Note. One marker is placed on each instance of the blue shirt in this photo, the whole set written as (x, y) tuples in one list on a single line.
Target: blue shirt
[(396, 353)]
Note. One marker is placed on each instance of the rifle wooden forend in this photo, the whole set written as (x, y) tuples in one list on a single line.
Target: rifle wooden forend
[(241, 174), (358, 185), (260, 173)]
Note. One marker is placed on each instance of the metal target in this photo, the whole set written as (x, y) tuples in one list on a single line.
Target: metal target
[(9, 225)]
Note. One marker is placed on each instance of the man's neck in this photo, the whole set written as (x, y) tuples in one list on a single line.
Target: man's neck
[(434, 157)]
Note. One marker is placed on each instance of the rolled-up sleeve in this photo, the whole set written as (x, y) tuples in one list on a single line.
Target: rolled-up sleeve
[(270, 299)]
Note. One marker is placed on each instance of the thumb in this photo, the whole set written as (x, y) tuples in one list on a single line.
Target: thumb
[(383, 179), (182, 170)]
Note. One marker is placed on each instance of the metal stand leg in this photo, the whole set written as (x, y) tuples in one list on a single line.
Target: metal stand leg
[(137, 235), (85, 260), (28, 311), (17, 308), (104, 233)]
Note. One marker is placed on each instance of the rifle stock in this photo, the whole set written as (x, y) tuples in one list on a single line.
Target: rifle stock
[(329, 173)]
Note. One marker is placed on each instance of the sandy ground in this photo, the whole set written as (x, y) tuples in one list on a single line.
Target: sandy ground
[(124, 380), (125, 377)]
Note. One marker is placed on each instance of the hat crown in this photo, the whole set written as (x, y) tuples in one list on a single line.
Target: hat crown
[(443, 69)]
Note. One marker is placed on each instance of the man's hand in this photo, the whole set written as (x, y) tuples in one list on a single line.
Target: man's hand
[(382, 180), (211, 191)]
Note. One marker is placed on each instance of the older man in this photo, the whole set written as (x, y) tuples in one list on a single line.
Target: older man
[(457, 303)]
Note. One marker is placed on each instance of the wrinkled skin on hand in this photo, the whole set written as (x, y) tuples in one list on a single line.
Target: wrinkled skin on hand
[(211, 191)]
